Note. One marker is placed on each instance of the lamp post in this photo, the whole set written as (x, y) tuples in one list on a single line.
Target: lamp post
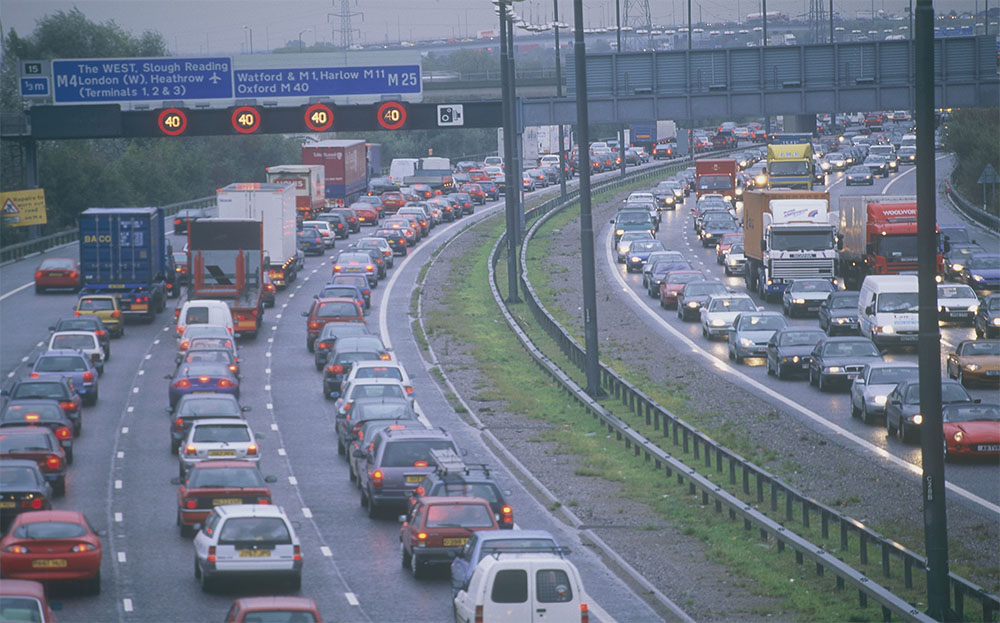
[(511, 184), (250, 30), (559, 93), (586, 217), (301, 32), (621, 128)]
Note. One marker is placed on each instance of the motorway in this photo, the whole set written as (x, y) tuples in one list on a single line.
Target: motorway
[(976, 483), (121, 477)]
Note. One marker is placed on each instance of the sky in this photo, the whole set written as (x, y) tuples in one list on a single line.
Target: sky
[(194, 27)]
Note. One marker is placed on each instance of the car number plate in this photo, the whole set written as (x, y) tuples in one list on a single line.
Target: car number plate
[(993, 373), (416, 478), (993, 447), (49, 562), (255, 553), (139, 307), (222, 501), (908, 338), (456, 542), (57, 274), (222, 453), (852, 375), (8, 504)]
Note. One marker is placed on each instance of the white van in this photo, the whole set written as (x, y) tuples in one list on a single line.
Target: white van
[(204, 312), (401, 168), (887, 310), (523, 588)]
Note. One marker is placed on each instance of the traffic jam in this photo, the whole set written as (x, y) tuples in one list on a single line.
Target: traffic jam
[(224, 268)]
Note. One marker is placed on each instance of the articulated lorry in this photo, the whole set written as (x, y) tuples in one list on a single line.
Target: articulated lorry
[(787, 235), (345, 165), (310, 186), (227, 260), (274, 206), (877, 236), (123, 252)]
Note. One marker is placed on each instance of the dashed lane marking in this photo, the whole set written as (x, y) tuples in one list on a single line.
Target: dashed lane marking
[(118, 517), (278, 316), (293, 481), (10, 374), (166, 329), (156, 341), (127, 604), (118, 484), (306, 512), (24, 359), (121, 557), (270, 406), (292, 295), (267, 370), (267, 354), (284, 305), (39, 344), (121, 454), (124, 430), (130, 410), (135, 390), (326, 551), (267, 388), (281, 452), (352, 599), (270, 340), (274, 427), (274, 327), (141, 372), (149, 356)]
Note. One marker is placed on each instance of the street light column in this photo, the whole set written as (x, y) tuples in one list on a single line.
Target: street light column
[(559, 93), (510, 183)]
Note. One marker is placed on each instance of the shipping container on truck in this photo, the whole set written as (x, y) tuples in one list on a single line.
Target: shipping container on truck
[(310, 186), (227, 264), (716, 176), (123, 252), (787, 234), (274, 206), (346, 165), (643, 135), (878, 236)]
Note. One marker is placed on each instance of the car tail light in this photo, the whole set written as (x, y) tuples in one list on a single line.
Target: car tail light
[(420, 463), (323, 346), (63, 433), (88, 377), (189, 503), (418, 491), (584, 613), (385, 356), (421, 536), (182, 384), (263, 500), (38, 274), (184, 345), (478, 618), (313, 324), (116, 314), (507, 514), (252, 450), (33, 375), (347, 406), (68, 406), (296, 552), (31, 417), (33, 503), (190, 449), (53, 462), (366, 292), (377, 478), (179, 424), (76, 313), (225, 383), (335, 369), (99, 333), (177, 221), (211, 554), (17, 549)]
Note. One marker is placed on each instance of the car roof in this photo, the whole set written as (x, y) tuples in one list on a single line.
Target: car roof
[(26, 588), (228, 421), (282, 602), (416, 433), (222, 463), (251, 510), (52, 515), (62, 352), (8, 463), (74, 332)]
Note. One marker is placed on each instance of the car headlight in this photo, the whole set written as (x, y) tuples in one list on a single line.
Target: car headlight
[(798, 301), (958, 436), (692, 304), (795, 359), (886, 329), (938, 278), (996, 321), (880, 400), (957, 268), (746, 342), (971, 367), (974, 308), (707, 235), (840, 320), (718, 322), (635, 259), (732, 261), (760, 180), (833, 370), (728, 197), (619, 232), (739, 191), (868, 177), (918, 419), (977, 277)]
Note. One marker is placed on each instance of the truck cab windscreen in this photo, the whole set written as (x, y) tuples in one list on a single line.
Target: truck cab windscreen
[(801, 240), (898, 248), (715, 182), (789, 167)]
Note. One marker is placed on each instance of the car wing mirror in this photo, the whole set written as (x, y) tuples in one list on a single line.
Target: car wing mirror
[(176, 480), (168, 376), (246, 408), (270, 479), (305, 314)]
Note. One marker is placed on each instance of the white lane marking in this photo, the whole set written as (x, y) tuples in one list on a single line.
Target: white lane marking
[(156, 341), (17, 289), (602, 614), (292, 295), (274, 427), (306, 279), (314, 271), (270, 340), (119, 517), (284, 305), (352, 599), (121, 454), (135, 390), (149, 356), (118, 484), (281, 452), (900, 176), (306, 512), (127, 604), (130, 410), (293, 481), (267, 370), (270, 406), (298, 287), (267, 354), (124, 430), (166, 328), (267, 388), (10, 374), (121, 557), (39, 344), (326, 551), (278, 316), (24, 359), (812, 415), (141, 372)]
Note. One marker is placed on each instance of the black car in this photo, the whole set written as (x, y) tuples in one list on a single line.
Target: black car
[(333, 331), (23, 488), (200, 406), (184, 218), (396, 240), (696, 294), (987, 321), (41, 412), (859, 174), (659, 270), (453, 477), (902, 407), (337, 368), (50, 388), (338, 223), (838, 360), (839, 313), (789, 351), (956, 256), (713, 228), (87, 322), (365, 409)]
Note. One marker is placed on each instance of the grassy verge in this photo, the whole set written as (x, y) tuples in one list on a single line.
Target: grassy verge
[(513, 377)]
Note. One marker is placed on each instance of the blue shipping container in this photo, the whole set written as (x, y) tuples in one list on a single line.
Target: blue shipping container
[(122, 248)]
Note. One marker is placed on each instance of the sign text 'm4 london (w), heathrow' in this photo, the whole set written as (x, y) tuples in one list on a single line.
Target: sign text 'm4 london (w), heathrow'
[(95, 81)]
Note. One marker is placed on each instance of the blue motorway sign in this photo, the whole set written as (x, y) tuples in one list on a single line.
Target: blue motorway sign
[(90, 81), (35, 87), (327, 81)]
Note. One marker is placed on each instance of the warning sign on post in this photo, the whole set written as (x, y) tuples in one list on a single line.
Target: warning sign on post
[(23, 207)]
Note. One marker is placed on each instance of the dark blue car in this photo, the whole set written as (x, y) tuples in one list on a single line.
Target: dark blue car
[(982, 272), (202, 378), (310, 241)]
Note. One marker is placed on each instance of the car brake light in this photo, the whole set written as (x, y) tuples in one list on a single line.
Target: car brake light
[(189, 504), (263, 500), (190, 449), (63, 433), (422, 536), (296, 552), (420, 463), (366, 292), (180, 329), (418, 491), (211, 554), (313, 324), (385, 356), (479, 615), (116, 314), (88, 377), (323, 345), (252, 450), (68, 406), (203, 379), (76, 313), (179, 424), (33, 375), (584, 613), (335, 369), (53, 462), (347, 406), (182, 384), (31, 417), (99, 332), (377, 478), (225, 383), (38, 274), (17, 549), (184, 345)]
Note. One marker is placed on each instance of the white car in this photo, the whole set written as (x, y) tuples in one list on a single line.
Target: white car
[(86, 342), (734, 261), (956, 303), (640, 197), (218, 438), (392, 370), (329, 237), (240, 540), (206, 331), (718, 314)]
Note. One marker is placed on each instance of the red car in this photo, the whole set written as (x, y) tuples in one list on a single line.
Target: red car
[(438, 527), (478, 175), (673, 283), (57, 272), (249, 609), (725, 242), (971, 430), (392, 201), (475, 191), (52, 545), (29, 596), (366, 212), (39, 445), (330, 310), (213, 483)]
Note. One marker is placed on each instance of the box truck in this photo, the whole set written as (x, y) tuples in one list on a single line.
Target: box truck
[(274, 206)]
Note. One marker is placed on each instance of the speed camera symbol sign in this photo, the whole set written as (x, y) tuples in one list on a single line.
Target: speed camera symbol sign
[(450, 115)]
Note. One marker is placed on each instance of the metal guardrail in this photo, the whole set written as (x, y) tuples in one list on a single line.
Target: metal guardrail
[(971, 211), (38, 245), (798, 507)]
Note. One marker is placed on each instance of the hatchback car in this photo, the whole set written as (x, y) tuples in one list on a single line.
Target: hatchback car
[(193, 407), (52, 545), (39, 445), (379, 244), (310, 241), (751, 332), (202, 378), (41, 412), (788, 351), (326, 231), (339, 365), (902, 407), (218, 438), (23, 489), (60, 389), (438, 527), (718, 314), (106, 308), (871, 388), (284, 609), (84, 341), (184, 218), (803, 296), (836, 361), (242, 540), (324, 311), (839, 313), (957, 303), (454, 477), (89, 323), (214, 483), (57, 272), (73, 365)]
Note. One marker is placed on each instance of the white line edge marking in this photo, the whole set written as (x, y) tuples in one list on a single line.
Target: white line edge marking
[(130, 410), (118, 517), (812, 415), (281, 452), (17, 289)]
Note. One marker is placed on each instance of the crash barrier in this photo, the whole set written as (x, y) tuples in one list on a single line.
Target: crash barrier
[(743, 475), (972, 212)]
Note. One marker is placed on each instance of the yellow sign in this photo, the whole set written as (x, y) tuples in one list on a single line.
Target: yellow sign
[(23, 207)]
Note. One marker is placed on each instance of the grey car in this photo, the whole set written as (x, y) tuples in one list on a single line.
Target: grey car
[(788, 351), (839, 313), (870, 389), (803, 296), (751, 333), (836, 361)]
